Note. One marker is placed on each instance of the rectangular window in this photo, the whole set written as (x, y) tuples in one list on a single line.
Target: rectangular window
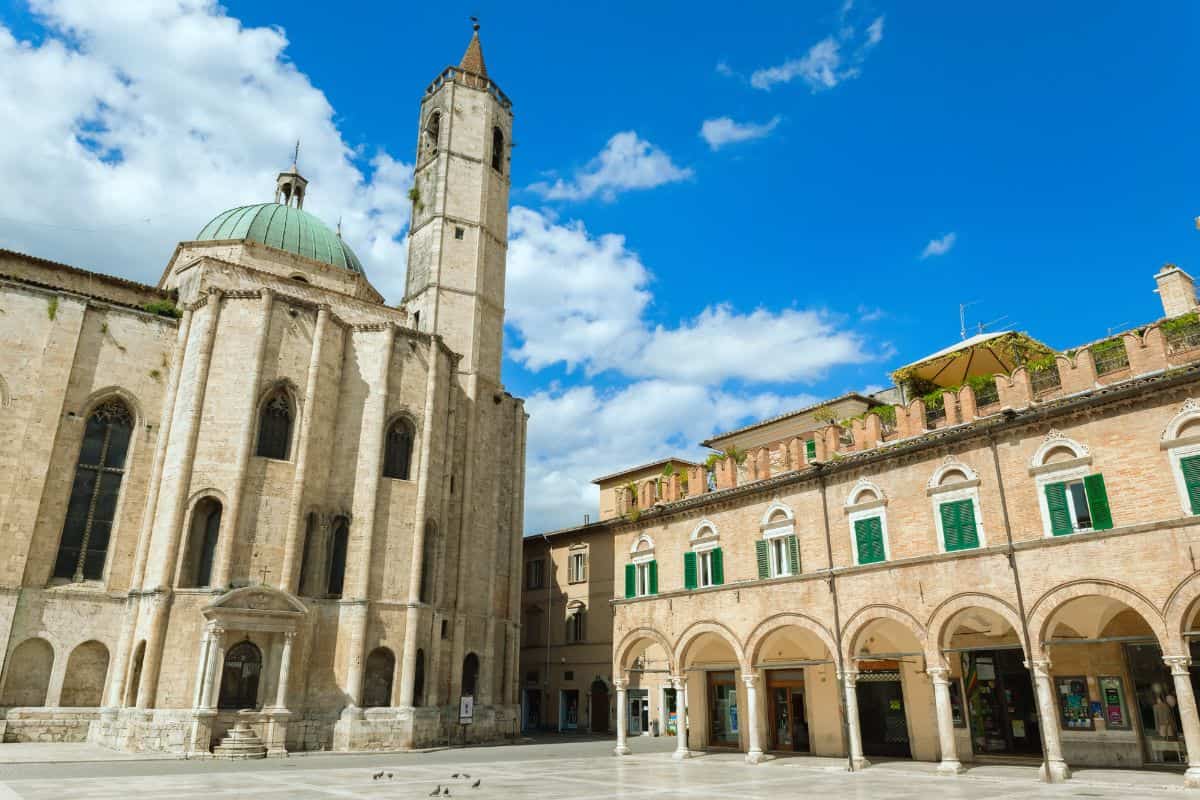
[(1191, 480), (784, 556), (576, 632), (458, 233), (577, 567), (705, 568), (958, 525), (810, 449), (534, 574), (868, 537), (641, 579), (1078, 505)]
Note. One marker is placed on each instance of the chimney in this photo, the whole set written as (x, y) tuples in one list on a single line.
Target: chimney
[(1176, 289)]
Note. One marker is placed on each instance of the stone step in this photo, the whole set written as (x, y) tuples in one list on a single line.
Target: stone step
[(241, 742)]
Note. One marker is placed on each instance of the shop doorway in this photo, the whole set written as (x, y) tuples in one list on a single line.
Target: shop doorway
[(599, 707), (670, 711), (568, 710), (788, 710), (1001, 705), (1158, 707), (639, 712), (532, 709), (881, 714), (723, 723)]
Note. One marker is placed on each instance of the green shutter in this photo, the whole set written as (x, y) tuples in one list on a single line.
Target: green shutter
[(1056, 503), (1097, 497), (810, 449), (793, 554), (689, 571), (718, 567), (764, 559), (1191, 477), (654, 577), (630, 580), (958, 525), (868, 534)]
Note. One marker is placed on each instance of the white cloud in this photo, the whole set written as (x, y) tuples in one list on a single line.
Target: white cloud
[(138, 122), (938, 247), (723, 68), (723, 130), (627, 162), (834, 59)]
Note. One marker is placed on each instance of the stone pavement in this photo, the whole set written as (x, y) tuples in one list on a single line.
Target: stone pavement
[(562, 768)]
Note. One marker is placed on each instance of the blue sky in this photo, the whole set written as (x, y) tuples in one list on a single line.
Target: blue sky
[(686, 284)]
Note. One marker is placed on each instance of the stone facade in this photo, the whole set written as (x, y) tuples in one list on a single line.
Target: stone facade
[(324, 581), (1010, 571)]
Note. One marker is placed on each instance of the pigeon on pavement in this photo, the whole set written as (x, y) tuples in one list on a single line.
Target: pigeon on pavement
[(377, 776), (436, 791), (475, 785)]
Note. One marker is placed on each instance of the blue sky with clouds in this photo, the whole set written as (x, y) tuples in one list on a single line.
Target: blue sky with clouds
[(717, 214)]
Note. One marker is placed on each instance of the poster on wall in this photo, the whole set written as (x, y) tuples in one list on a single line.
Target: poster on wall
[(1112, 702), (1074, 706)]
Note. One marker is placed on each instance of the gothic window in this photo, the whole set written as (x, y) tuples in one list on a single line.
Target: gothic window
[(93, 504), (418, 698), (428, 559), (275, 427), (433, 134), (239, 678), (377, 680), (202, 544), (497, 150), (470, 674), (338, 543), (310, 539), (398, 452)]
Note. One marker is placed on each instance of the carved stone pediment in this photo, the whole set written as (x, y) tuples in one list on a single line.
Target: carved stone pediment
[(256, 608)]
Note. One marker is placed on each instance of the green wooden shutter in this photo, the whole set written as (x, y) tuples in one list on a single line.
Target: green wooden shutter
[(868, 534), (718, 567), (630, 580), (810, 449), (958, 525), (764, 559), (1056, 503), (654, 577), (689, 571), (1097, 497), (793, 554), (1191, 477)]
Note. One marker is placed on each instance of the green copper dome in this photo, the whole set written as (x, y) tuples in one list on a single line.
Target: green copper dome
[(285, 228)]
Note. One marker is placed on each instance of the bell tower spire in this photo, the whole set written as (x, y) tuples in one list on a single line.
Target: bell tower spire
[(459, 233)]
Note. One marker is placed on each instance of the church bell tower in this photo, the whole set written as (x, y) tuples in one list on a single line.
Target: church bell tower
[(459, 232)]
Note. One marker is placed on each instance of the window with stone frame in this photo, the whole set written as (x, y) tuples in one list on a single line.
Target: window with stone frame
[(339, 543), (577, 566), (398, 450), (275, 427), (498, 150), (534, 573), (92, 508), (577, 625)]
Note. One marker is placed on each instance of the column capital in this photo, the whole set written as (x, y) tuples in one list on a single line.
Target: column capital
[(289, 636), (620, 683), (1040, 667), (1179, 664), (216, 631), (849, 677), (938, 674), (677, 682), (749, 678)]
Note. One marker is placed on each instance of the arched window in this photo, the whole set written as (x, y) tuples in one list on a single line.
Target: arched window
[(470, 673), (498, 150), (433, 134), (202, 544), (418, 698), (306, 555), (866, 513), (377, 680), (576, 622), (339, 541), (93, 505), (239, 678), (87, 668), (954, 491), (275, 426), (428, 562), (28, 676), (398, 451)]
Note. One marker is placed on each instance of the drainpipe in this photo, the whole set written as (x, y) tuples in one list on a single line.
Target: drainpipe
[(837, 621), (546, 573), (1011, 553)]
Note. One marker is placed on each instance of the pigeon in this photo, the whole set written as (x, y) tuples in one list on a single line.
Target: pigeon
[(475, 785), (390, 776), (436, 791), (446, 792), (466, 776), (377, 776), (455, 775)]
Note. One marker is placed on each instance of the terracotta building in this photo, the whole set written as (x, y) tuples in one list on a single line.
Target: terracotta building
[(994, 558), (254, 506)]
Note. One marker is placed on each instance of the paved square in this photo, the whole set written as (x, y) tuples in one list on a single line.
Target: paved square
[(580, 770)]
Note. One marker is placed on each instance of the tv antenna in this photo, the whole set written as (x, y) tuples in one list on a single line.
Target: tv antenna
[(962, 317)]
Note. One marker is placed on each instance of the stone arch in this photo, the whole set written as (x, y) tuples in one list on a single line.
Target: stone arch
[(855, 495), (28, 673), (378, 675), (938, 624), (861, 619), (637, 544), (102, 396), (87, 668), (193, 542), (772, 509), (266, 444), (685, 641), (785, 619), (1057, 440), (951, 464), (701, 526), (1043, 610), (632, 638), (1181, 606), (1188, 413)]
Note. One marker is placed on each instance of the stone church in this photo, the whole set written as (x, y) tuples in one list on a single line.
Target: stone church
[(254, 508)]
